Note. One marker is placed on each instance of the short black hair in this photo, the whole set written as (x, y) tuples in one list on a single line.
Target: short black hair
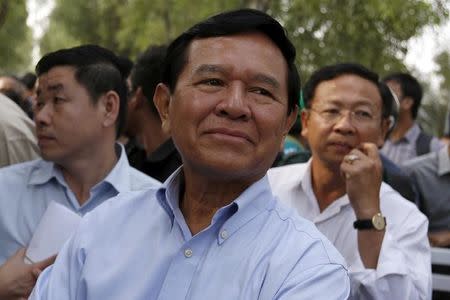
[(333, 71), (410, 87), (147, 72), (29, 80), (230, 23), (98, 69)]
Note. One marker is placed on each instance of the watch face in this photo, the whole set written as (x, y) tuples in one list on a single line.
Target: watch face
[(378, 222)]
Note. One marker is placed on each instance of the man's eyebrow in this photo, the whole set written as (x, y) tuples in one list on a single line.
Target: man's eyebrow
[(220, 69), (267, 79), (210, 69), (51, 88), (55, 87)]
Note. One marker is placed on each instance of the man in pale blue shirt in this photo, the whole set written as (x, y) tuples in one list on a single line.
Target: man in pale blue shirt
[(214, 230), (80, 111)]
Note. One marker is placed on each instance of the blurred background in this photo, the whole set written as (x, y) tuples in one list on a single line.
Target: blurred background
[(386, 36)]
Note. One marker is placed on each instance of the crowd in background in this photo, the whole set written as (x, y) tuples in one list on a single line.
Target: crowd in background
[(129, 136)]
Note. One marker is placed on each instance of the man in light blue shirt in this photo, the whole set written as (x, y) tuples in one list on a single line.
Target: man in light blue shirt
[(79, 113), (214, 230)]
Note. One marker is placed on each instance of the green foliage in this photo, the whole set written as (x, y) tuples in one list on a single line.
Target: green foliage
[(125, 26), (15, 36), (432, 114), (371, 32)]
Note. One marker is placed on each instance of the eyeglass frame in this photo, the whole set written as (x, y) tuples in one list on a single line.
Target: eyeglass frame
[(335, 119)]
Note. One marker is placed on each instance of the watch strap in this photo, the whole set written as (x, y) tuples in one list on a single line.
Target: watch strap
[(363, 224)]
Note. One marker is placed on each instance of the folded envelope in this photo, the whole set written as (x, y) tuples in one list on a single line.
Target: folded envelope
[(54, 229)]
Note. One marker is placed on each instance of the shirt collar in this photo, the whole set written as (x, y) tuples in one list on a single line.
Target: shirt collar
[(118, 177), (255, 199), (43, 172), (443, 161), (333, 209), (412, 134)]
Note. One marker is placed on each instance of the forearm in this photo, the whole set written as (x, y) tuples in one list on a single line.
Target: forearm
[(369, 246)]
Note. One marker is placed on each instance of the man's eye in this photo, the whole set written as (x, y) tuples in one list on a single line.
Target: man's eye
[(212, 82), (39, 104), (331, 111), (58, 100), (363, 114), (262, 91)]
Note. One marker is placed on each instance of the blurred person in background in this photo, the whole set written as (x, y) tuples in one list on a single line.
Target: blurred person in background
[(150, 149), (15, 90), (18, 141), (407, 140)]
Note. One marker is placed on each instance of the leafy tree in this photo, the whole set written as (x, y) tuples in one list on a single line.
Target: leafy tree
[(16, 45), (372, 32), (432, 114), (125, 26)]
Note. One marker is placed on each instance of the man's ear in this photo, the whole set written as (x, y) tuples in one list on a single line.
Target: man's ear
[(304, 118), (136, 101), (292, 117), (385, 124), (110, 104), (161, 99), (407, 103)]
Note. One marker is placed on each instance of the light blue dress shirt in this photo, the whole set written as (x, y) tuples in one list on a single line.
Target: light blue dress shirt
[(138, 246), (26, 190)]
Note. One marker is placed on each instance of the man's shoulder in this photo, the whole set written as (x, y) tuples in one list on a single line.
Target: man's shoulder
[(140, 180), (124, 210), (420, 164), (20, 173), (303, 233), (395, 207), (286, 175)]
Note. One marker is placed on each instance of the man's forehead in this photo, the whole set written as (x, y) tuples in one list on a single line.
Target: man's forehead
[(355, 88), (56, 76)]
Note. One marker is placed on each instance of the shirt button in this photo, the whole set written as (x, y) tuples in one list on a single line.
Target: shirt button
[(224, 234), (188, 252)]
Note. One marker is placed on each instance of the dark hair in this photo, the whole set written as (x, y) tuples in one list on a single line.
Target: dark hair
[(410, 87), (29, 79), (98, 69), (230, 23), (147, 72), (337, 70)]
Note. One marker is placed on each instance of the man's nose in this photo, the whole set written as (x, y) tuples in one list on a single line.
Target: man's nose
[(43, 115), (345, 123), (234, 103)]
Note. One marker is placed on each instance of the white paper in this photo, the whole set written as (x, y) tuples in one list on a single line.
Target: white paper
[(54, 229)]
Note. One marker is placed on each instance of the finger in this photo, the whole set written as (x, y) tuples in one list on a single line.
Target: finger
[(41, 265), (369, 149), (20, 253), (36, 272)]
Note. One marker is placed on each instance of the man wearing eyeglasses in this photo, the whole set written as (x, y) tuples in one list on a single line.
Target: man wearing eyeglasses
[(382, 236)]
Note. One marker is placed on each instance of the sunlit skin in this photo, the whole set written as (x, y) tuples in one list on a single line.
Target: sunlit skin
[(227, 115), (332, 175)]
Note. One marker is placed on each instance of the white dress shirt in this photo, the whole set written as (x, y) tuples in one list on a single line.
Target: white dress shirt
[(404, 267)]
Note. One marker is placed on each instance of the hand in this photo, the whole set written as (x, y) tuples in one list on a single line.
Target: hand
[(363, 172), (439, 239), (17, 278)]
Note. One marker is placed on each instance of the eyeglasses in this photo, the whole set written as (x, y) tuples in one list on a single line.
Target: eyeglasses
[(358, 117)]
